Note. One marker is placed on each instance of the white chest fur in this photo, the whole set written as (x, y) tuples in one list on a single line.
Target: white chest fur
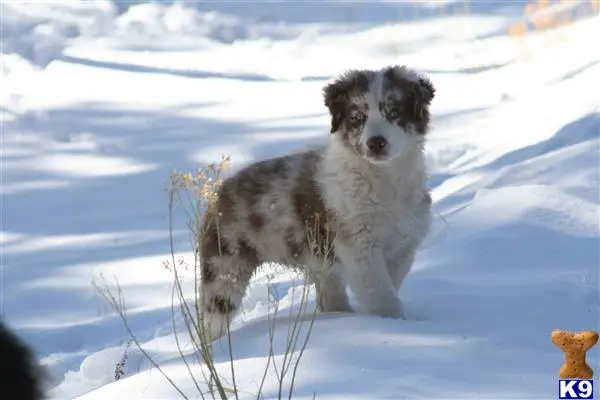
[(385, 203)]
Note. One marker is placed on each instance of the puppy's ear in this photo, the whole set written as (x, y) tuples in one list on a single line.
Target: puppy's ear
[(338, 93), (426, 89), (417, 86), (424, 93), (335, 101)]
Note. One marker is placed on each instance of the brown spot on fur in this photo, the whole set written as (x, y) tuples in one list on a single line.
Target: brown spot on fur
[(213, 247), (255, 181), (255, 221), (428, 198), (353, 123), (408, 98), (295, 247), (208, 274), (248, 253), (356, 117), (310, 209), (220, 304), (225, 206), (213, 244), (337, 95)]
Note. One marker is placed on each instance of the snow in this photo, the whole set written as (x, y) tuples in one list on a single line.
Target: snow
[(102, 100)]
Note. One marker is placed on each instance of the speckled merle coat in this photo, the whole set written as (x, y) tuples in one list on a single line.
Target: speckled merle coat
[(353, 211)]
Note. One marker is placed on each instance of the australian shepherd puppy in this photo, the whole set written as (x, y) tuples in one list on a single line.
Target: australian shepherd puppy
[(353, 211)]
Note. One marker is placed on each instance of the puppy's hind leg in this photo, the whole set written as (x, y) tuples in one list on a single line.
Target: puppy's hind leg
[(225, 278)]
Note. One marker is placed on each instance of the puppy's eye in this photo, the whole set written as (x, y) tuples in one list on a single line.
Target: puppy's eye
[(394, 113), (356, 119)]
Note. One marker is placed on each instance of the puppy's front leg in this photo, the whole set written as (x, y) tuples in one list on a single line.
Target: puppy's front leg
[(367, 275)]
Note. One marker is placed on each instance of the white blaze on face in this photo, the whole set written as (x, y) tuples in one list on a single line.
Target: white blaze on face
[(399, 142)]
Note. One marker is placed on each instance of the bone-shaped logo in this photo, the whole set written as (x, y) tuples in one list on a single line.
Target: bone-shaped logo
[(575, 345)]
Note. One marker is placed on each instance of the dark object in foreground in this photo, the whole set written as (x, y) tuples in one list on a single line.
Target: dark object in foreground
[(20, 374)]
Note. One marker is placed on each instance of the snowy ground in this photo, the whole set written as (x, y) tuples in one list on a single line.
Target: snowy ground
[(101, 101)]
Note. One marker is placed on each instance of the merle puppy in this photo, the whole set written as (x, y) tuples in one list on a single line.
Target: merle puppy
[(353, 211)]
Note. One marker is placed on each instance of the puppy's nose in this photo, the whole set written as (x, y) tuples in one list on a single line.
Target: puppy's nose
[(377, 144)]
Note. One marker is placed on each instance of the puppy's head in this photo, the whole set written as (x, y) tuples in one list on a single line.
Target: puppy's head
[(380, 114)]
